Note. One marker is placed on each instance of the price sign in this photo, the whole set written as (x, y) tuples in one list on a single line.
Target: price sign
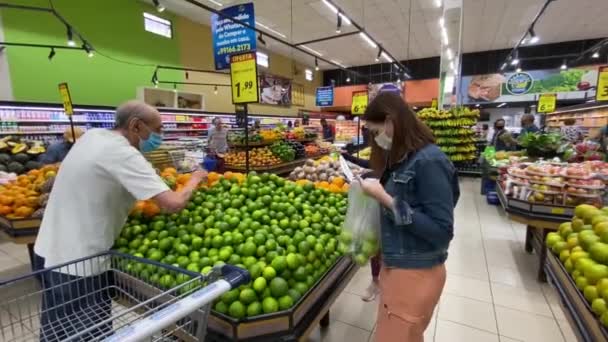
[(546, 103), (244, 78), (434, 103), (359, 103), (64, 91), (602, 84)]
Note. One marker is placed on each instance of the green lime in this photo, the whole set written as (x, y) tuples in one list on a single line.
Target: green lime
[(294, 294), (292, 261), (279, 264), (300, 287), (221, 307), (254, 309), (255, 271), (259, 284), (269, 273), (237, 310), (230, 296), (249, 249), (270, 305), (285, 302), (278, 287), (247, 296)]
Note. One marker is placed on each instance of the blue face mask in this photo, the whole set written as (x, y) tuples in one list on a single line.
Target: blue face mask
[(152, 143)]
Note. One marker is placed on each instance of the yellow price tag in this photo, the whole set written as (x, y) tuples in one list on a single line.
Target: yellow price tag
[(434, 103), (359, 103), (244, 78), (64, 91), (602, 84), (558, 211), (546, 103)]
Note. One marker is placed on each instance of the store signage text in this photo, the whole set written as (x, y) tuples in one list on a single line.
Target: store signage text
[(325, 96), (66, 99), (546, 103), (359, 104), (230, 37), (602, 84), (244, 78)]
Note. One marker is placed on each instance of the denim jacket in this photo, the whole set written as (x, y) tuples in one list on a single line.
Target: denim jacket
[(416, 233)]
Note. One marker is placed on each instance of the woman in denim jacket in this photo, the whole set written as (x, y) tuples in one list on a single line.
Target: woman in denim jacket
[(418, 190)]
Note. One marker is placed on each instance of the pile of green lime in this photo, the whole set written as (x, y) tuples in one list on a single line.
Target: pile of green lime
[(285, 235)]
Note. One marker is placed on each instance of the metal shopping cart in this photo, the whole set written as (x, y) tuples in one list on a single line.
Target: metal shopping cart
[(112, 297)]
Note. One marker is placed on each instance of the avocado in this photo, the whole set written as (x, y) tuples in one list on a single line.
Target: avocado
[(21, 158), (16, 167), (32, 165), (5, 158)]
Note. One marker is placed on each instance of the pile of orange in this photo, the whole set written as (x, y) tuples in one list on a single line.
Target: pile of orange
[(337, 185), (20, 198)]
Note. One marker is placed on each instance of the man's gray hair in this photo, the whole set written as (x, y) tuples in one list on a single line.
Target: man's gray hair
[(131, 109)]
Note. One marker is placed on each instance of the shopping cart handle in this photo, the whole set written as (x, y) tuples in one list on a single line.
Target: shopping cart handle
[(236, 276)]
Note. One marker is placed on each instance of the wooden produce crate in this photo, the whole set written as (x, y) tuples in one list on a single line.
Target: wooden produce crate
[(20, 228)]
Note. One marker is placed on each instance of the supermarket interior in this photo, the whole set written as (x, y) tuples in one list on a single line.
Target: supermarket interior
[(304, 170)]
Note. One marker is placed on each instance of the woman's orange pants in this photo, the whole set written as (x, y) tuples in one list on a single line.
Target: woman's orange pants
[(407, 300)]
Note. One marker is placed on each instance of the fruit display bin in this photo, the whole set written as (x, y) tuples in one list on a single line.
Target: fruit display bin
[(577, 310), (290, 325), (16, 228), (535, 210), (279, 169)]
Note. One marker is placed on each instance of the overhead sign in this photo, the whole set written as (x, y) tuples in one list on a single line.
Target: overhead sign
[(64, 91), (359, 103), (546, 103), (244, 78), (325, 96), (602, 84), (230, 37)]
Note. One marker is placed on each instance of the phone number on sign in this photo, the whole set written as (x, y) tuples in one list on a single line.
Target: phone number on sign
[(236, 48)]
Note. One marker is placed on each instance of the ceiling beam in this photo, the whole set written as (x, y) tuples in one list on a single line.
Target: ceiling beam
[(328, 38)]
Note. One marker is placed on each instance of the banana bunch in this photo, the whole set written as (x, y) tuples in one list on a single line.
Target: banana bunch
[(463, 157), (452, 123), (433, 114), (458, 149), (454, 140), (465, 112), (453, 132)]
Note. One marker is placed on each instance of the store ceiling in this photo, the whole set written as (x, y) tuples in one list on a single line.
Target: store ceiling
[(488, 25)]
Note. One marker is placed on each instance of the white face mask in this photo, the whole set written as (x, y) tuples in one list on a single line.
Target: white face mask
[(384, 141)]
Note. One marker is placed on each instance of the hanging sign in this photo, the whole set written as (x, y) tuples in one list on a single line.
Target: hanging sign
[(602, 84), (244, 78), (434, 103), (230, 37), (325, 96), (546, 103), (64, 91), (359, 103)]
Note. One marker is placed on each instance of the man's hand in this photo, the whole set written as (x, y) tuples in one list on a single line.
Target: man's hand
[(199, 176)]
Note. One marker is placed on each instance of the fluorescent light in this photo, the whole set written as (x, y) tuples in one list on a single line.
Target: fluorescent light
[(438, 3), (369, 41), (270, 30), (386, 56), (444, 36), (449, 53), (338, 63), (502, 105), (477, 105), (518, 69), (335, 10), (262, 59), (564, 66), (503, 66), (442, 22), (215, 3), (515, 61), (308, 74), (311, 50), (595, 55), (534, 40), (347, 79)]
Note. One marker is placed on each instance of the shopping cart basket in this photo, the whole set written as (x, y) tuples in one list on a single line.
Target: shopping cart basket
[(112, 297)]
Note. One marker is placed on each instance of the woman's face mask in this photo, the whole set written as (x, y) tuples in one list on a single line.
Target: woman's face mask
[(384, 135)]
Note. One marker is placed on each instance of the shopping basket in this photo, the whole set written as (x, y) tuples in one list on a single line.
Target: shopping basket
[(112, 297)]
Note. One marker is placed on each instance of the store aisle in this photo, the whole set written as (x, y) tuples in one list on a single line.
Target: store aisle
[(491, 292)]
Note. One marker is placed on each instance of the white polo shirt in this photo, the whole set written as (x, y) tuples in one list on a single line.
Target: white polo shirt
[(96, 187)]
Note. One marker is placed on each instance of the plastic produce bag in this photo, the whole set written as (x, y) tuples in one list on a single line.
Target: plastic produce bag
[(361, 229)]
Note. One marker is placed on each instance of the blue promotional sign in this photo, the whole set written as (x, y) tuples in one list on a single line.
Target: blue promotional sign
[(230, 37), (325, 96)]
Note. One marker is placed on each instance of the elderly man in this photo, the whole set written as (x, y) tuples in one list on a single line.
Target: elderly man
[(98, 183), (527, 124)]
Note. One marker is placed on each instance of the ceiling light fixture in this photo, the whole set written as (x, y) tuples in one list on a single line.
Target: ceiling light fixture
[(596, 54), (533, 37), (311, 50), (449, 53), (438, 3), (52, 54), (515, 59), (88, 49), (338, 63), (379, 54), (442, 22), (369, 41), (215, 90), (261, 39), (564, 65), (477, 105), (175, 87), (70, 35), (503, 66), (316, 64), (347, 79), (335, 10), (518, 69), (444, 36), (160, 8), (386, 56), (502, 105), (155, 78), (265, 27), (338, 23)]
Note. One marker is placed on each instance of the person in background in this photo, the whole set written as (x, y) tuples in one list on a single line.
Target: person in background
[(296, 123), (527, 124), (418, 190), (218, 143), (571, 131), (59, 149), (484, 132), (328, 133), (502, 139), (100, 180), (289, 125)]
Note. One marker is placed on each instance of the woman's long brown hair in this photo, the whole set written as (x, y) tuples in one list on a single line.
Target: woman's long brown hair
[(409, 134)]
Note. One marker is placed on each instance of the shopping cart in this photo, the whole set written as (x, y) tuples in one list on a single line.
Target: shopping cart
[(112, 297)]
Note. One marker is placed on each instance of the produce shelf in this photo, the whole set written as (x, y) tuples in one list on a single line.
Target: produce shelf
[(277, 169), (551, 212), (577, 310), (289, 325), (20, 227), (267, 143)]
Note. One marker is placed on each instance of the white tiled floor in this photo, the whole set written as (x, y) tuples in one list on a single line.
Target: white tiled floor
[(491, 294)]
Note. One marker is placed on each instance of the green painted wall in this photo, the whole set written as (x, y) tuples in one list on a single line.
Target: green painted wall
[(114, 27)]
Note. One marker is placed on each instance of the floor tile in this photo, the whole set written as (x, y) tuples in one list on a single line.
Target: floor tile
[(8, 262), (467, 265), (521, 299), (522, 276), (554, 301), (359, 283), (339, 332), (453, 332), (16, 251), (527, 326), (468, 287), (350, 309), (508, 339), (470, 312), (567, 331)]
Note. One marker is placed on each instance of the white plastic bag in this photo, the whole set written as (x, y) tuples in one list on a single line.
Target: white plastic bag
[(361, 229)]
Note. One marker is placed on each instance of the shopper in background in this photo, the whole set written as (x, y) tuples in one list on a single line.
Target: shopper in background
[(100, 180), (502, 139), (218, 143), (527, 124), (328, 133), (57, 151), (289, 125), (572, 132), (483, 134), (418, 190)]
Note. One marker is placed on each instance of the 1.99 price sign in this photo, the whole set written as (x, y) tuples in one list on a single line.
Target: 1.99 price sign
[(244, 78)]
